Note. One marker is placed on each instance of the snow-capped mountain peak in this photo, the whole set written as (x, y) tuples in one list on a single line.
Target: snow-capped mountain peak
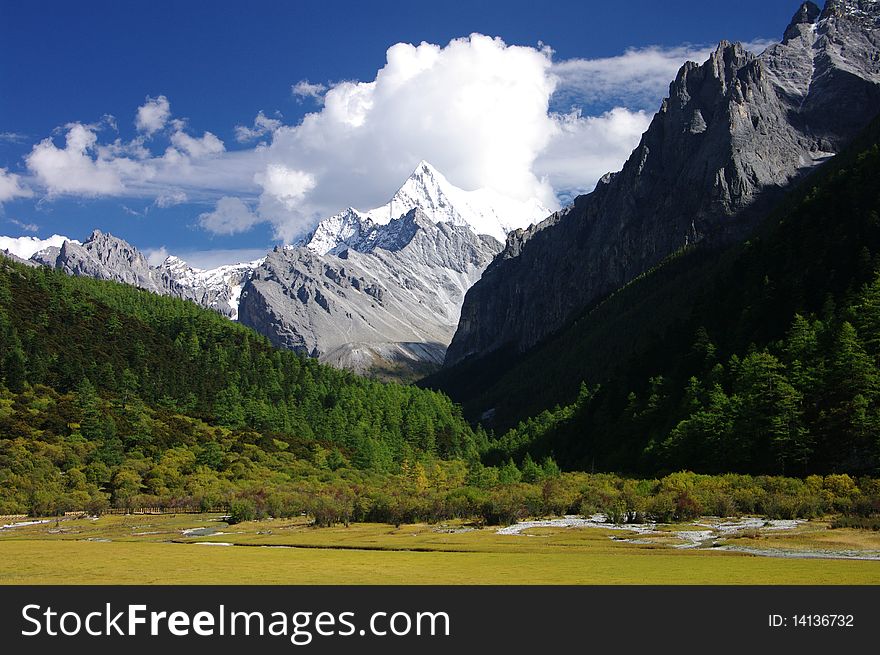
[(217, 287), (348, 227), (484, 211)]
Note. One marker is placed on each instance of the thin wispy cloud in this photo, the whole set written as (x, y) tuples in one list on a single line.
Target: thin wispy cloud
[(27, 227), (304, 89), (230, 216), (263, 126), (13, 137), (638, 79)]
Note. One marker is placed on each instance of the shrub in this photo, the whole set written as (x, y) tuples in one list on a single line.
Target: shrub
[(857, 522), (242, 509), (687, 507), (661, 508)]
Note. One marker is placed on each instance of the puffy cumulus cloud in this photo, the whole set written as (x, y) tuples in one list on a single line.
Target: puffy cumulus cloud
[(487, 114), (11, 187), (230, 216), (281, 201), (285, 185), (153, 115), (74, 169), (583, 149), (263, 125), (305, 89), (208, 144), (85, 167), (477, 109)]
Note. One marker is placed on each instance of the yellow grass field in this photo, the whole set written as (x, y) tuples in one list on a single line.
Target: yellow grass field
[(156, 550)]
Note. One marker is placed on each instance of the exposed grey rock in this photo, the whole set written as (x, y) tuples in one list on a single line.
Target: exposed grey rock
[(16, 258), (218, 288), (46, 257), (393, 303), (106, 257), (732, 134)]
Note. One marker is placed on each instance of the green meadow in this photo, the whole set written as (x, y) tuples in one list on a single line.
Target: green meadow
[(153, 549)]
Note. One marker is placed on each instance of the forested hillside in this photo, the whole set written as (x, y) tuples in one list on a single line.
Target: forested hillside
[(763, 358), (112, 396), (112, 376)]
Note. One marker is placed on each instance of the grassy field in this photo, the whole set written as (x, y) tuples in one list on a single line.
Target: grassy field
[(156, 550)]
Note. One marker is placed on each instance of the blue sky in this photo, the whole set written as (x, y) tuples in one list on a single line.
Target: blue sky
[(202, 69)]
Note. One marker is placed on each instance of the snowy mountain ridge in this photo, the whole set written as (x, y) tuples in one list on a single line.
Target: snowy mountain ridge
[(377, 292), (484, 211)]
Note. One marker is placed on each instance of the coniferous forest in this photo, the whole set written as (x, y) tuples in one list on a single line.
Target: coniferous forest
[(767, 364), (762, 358)]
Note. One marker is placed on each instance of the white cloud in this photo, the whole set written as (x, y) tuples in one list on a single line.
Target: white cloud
[(230, 216), (11, 188), (73, 169), (757, 46), (27, 227), (134, 212), (477, 109), (639, 77), (285, 185), (208, 144), (156, 256), (170, 199), (263, 125), (153, 115), (486, 114), (584, 148), (305, 89), (84, 167), (25, 247), (13, 137)]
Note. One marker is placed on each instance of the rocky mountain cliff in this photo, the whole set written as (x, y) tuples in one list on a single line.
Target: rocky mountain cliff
[(732, 134), (376, 292), (106, 257), (390, 308), (379, 292)]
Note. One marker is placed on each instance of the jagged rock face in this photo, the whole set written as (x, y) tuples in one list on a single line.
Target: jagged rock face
[(218, 288), (106, 257), (732, 133), (393, 303), (363, 291), (16, 258)]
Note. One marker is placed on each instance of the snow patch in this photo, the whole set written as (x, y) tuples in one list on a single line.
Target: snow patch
[(484, 211)]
